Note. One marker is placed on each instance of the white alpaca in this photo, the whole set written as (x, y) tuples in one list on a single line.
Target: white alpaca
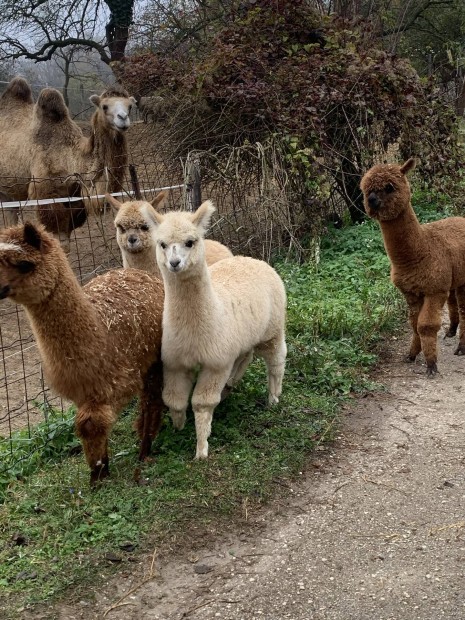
[(135, 235), (214, 318)]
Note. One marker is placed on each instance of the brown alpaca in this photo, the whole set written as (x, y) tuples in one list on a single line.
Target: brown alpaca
[(45, 154), (100, 344), (427, 260), (135, 235)]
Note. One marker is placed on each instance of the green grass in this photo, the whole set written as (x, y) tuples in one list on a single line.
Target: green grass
[(338, 312)]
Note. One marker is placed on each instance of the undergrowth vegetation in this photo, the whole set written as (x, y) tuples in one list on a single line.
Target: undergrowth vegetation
[(56, 534)]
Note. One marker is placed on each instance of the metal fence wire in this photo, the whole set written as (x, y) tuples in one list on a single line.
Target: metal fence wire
[(253, 218)]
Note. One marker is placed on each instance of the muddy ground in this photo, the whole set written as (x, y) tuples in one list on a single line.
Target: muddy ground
[(373, 529)]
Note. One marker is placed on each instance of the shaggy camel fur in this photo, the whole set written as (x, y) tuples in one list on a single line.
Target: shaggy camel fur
[(100, 344), (151, 106), (427, 260), (135, 235), (214, 318), (45, 154)]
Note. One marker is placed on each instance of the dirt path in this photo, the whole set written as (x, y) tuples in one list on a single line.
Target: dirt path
[(375, 530)]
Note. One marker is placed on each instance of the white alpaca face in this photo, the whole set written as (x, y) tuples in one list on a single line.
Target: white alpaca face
[(176, 253)]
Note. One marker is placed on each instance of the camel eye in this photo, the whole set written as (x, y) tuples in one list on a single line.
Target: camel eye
[(105, 108), (389, 188), (163, 245), (144, 227), (189, 243), (25, 266)]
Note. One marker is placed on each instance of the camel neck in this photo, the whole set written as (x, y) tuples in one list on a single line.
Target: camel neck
[(403, 237), (108, 148)]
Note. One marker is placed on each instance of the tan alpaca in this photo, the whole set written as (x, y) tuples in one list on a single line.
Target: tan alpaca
[(214, 318), (45, 154), (135, 235), (100, 344), (427, 260)]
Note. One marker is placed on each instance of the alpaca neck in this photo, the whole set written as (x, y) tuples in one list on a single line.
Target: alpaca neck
[(403, 237), (145, 261), (64, 322)]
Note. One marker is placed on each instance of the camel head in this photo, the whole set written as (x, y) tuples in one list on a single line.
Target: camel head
[(386, 190), (113, 108), (29, 264), (134, 226)]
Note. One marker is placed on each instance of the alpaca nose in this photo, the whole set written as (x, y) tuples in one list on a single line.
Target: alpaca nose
[(175, 262), (132, 239), (373, 201), (4, 290)]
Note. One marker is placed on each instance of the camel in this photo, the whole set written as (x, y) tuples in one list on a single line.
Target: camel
[(45, 154)]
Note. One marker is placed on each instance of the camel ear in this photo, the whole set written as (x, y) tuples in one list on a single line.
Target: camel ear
[(95, 99), (201, 218), (409, 165), (114, 204), (32, 236), (158, 200)]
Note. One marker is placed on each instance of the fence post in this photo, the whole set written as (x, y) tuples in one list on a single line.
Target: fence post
[(193, 182), (135, 182)]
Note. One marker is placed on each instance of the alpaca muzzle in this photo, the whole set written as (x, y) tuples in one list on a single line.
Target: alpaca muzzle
[(4, 291), (374, 202)]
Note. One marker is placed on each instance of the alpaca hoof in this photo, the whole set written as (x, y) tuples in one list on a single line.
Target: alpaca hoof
[(179, 419), (272, 400), (460, 350), (451, 332), (145, 448), (201, 454), (431, 370), (410, 358)]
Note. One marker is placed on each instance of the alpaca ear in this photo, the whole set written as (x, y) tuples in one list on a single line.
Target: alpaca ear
[(157, 218), (95, 99), (32, 236), (158, 200), (408, 166), (201, 218), (114, 204), (133, 100)]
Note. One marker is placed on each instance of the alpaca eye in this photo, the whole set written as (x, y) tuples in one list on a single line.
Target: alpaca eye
[(389, 188), (144, 227), (120, 228), (189, 243), (25, 266), (105, 108), (163, 245)]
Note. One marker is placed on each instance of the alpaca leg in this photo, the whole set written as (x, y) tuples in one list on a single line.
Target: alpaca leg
[(151, 409), (429, 322), (415, 303), (178, 385), (238, 371), (206, 396), (274, 353), (454, 315), (93, 425), (460, 298)]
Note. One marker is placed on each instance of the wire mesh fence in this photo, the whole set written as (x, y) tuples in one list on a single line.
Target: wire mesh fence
[(254, 218)]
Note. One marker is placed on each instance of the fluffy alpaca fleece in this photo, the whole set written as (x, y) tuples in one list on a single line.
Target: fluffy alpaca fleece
[(45, 154), (100, 344), (214, 318), (135, 235), (427, 260)]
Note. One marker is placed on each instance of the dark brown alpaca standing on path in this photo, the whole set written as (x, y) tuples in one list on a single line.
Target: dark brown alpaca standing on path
[(100, 345), (427, 260)]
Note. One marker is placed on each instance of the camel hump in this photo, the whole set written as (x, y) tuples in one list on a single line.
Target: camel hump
[(51, 106), (18, 90)]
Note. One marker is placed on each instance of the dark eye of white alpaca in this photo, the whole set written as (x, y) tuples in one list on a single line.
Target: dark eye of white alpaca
[(189, 243), (25, 266), (144, 227), (389, 188), (105, 108), (163, 245)]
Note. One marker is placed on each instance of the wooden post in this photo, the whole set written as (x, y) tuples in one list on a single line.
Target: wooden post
[(135, 182), (193, 184)]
